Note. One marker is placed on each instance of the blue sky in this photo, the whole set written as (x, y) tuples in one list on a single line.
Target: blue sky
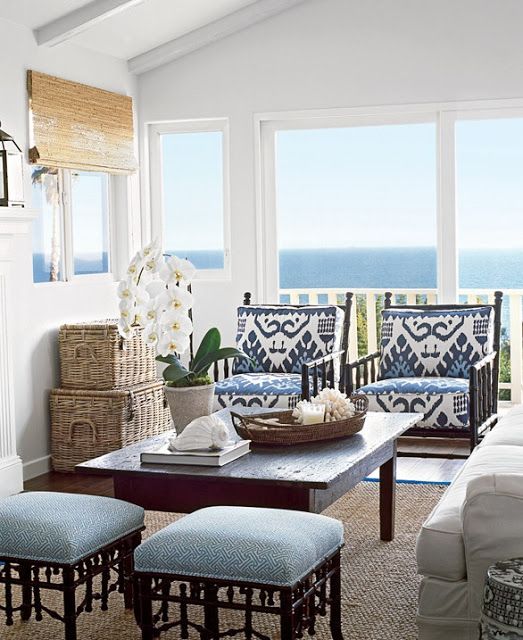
[(193, 191)]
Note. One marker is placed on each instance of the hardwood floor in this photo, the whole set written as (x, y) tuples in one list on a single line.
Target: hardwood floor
[(410, 469)]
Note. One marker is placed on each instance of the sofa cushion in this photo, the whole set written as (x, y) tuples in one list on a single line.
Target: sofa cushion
[(443, 401), (439, 550), (280, 339), (434, 343), (246, 544), (264, 390), (63, 527), (509, 429)]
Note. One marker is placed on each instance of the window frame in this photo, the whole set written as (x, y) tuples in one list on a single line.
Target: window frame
[(155, 131), (64, 183), (443, 115)]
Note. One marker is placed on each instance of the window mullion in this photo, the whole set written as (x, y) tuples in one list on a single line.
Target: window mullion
[(65, 179), (446, 214)]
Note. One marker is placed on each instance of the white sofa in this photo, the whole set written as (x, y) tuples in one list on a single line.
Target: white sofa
[(478, 521)]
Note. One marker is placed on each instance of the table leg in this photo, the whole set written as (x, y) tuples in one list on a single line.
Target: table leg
[(388, 497)]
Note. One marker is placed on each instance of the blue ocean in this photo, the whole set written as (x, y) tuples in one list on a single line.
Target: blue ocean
[(356, 268)]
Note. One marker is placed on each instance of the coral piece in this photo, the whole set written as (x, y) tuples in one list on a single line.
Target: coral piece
[(337, 405)]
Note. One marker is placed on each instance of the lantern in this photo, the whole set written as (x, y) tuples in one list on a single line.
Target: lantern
[(11, 172)]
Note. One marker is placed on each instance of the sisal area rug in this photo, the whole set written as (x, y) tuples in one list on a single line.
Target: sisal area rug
[(379, 579)]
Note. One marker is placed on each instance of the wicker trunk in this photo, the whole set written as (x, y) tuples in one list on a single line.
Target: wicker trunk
[(87, 424), (94, 356)]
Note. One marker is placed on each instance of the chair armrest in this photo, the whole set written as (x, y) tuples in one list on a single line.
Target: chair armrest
[(491, 518), (320, 373), (482, 390), (362, 371)]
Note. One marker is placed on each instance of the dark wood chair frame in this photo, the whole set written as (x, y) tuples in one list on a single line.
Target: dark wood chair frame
[(297, 605), (483, 379), (35, 576), (316, 374)]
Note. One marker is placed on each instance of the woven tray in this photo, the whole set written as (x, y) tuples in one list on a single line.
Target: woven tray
[(95, 356), (88, 424), (280, 428)]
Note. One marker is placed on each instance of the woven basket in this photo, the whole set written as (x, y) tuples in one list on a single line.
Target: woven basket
[(95, 356), (281, 428), (88, 424)]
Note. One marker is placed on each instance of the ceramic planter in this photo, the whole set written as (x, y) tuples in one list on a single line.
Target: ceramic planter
[(188, 403)]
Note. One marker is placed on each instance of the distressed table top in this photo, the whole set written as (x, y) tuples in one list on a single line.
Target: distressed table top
[(316, 466)]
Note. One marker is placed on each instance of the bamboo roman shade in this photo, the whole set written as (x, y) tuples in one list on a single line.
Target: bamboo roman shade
[(75, 126)]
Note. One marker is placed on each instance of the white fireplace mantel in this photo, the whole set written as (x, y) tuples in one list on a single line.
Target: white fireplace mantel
[(14, 221)]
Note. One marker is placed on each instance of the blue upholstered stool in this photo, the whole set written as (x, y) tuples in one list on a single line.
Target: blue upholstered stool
[(60, 541), (244, 558)]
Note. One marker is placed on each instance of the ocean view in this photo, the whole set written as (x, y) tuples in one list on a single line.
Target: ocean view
[(356, 268)]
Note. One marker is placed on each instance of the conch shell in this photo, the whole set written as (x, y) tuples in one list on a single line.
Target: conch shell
[(207, 432)]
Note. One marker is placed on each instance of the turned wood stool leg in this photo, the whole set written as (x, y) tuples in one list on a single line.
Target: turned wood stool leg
[(69, 603), (287, 630), (211, 618), (27, 591), (335, 598), (143, 586)]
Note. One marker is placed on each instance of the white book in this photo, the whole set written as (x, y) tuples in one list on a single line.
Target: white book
[(206, 457)]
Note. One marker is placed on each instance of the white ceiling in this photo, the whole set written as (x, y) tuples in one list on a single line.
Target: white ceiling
[(153, 23), (131, 32)]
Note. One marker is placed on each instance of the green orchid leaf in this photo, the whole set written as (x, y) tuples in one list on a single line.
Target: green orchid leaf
[(219, 354), (175, 372), (210, 342), (170, 359)]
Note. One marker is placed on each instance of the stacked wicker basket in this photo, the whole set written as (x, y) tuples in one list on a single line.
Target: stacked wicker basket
[(110, 395)]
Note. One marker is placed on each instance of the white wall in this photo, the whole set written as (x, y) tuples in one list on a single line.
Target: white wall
[(326, 54), (40, 309)]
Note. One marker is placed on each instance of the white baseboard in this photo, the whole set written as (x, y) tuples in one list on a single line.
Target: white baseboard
[(37, 467), (11, 476)]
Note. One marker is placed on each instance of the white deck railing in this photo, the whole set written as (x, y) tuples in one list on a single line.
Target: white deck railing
[(512, 321)]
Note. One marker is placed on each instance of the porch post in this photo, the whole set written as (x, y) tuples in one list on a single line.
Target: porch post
[(447, 250)]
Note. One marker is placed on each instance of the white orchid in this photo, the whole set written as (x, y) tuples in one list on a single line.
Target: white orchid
[(125, 328), (126, 290), (176, 322), (173, 343), (151, 334), (177, 271), (177, 299)]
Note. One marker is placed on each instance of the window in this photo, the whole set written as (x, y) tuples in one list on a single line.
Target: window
[(357, 205), (71, 236), (189, 193)]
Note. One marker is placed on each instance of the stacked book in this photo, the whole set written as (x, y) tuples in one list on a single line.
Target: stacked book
[(204, 457)]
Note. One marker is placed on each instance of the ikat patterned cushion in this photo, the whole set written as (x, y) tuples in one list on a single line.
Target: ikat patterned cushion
[(268, 546), (63, 527), (434, 343), (261, 390), (280, 339)]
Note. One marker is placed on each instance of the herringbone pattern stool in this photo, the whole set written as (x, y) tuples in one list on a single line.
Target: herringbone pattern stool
[(58, 541), (240, 558)]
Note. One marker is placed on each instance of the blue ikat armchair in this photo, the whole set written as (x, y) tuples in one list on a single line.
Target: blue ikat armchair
[(438, 360), (296, 350)]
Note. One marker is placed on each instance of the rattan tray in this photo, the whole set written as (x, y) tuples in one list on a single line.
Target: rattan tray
[(280, 428)]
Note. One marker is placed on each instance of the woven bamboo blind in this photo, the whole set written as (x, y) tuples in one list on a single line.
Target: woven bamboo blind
[(76, 126)]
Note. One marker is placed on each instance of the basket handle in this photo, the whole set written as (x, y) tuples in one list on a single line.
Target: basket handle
[(236, 417), (132, 402), (78, 421), (88, 352)]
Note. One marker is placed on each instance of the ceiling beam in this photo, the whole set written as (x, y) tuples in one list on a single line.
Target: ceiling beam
[(73, 23), (209, 33)]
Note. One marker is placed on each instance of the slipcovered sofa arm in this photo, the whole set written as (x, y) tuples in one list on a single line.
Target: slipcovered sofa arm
[(492, 518)]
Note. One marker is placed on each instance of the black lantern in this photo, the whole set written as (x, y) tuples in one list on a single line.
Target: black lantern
[(11, 172)]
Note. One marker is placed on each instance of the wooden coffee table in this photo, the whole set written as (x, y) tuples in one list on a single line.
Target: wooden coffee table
[(307, 477)]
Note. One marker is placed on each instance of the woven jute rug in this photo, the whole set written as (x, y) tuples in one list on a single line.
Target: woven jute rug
[(380, 584)]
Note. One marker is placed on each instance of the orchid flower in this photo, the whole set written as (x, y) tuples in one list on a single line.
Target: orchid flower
[(177, 299), (177, 271), (171, 343)]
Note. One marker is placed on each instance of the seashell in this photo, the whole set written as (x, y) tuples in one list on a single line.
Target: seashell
[(207, 432)]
